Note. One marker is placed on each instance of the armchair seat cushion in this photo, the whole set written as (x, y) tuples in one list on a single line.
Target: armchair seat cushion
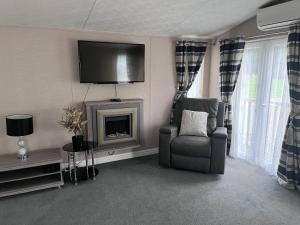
[(194, 146)]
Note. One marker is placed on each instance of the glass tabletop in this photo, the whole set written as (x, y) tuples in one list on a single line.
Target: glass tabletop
[(87, 145)]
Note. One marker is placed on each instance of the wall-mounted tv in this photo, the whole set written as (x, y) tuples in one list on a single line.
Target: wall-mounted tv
[(111, 63)]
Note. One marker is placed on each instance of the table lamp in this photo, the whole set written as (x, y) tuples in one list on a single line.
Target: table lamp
[(20, 125)]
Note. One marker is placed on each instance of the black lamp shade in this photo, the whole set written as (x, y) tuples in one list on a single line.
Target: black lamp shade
[(19, 125)]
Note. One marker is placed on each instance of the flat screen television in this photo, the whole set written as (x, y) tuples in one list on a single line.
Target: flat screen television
[(111, 63)]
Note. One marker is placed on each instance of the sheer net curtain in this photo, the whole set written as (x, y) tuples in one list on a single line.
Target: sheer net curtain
[(197, 87), (261, 104)]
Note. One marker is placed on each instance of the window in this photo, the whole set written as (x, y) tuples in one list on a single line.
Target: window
[(197, 86), (261, 104)]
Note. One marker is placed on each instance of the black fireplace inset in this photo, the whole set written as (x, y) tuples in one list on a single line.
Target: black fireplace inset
[(117, 126)]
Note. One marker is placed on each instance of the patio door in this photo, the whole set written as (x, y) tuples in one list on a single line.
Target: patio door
[(261, 104)]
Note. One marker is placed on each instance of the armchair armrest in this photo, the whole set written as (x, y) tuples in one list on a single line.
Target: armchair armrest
[(170, 129), (220, 132), (166, 135), (218, 150)]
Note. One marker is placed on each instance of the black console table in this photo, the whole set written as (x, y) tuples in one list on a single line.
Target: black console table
[(88, 148)]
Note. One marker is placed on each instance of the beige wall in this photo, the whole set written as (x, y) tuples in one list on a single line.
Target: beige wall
[(39, 76), (247, 29)]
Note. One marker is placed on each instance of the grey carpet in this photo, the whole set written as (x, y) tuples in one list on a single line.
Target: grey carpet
[(139, 192)]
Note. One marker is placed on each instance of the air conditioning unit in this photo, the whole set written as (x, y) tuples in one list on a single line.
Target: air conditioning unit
[(278, 16)]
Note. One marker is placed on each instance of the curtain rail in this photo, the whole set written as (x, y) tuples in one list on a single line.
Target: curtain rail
[(213, 41), (270, 35), (266, 38)]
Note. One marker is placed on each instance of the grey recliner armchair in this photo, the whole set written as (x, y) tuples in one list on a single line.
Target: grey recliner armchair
[(205, 154)]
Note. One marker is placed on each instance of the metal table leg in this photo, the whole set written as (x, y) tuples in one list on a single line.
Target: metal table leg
[(93, 164), (75, 173), (86, 164), (69, 166)]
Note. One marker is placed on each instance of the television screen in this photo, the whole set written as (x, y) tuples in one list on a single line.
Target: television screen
[(110, 63)]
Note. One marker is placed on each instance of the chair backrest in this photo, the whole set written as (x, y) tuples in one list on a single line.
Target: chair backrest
[(214, 109)]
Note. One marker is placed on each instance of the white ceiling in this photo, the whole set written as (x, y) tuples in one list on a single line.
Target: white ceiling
[(151, 17)]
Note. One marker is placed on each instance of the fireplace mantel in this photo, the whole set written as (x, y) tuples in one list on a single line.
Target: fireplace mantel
[(94, 112)]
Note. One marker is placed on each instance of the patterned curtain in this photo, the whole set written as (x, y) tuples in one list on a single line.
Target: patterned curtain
[(289, 165), (189, 56), (231, 54)]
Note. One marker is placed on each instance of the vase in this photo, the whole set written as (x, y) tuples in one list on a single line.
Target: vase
[(77, 142)]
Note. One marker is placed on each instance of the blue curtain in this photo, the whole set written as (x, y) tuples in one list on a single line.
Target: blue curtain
[(189, 57), (231, 55), (289, 165)]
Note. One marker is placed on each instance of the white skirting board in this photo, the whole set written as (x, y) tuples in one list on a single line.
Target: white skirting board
[(117, 157)]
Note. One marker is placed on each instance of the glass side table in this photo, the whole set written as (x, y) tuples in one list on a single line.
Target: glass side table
[(87, 147)]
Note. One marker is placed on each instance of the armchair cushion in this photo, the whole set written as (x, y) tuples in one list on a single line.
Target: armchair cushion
[(191, 146), (193, 123), (209, 105)]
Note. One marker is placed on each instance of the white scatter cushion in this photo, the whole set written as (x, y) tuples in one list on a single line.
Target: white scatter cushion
[(193, 123)]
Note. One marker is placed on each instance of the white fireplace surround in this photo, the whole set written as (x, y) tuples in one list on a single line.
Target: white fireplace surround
[(103, 113)]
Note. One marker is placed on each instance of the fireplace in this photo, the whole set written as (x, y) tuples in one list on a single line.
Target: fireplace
[(115, 124)]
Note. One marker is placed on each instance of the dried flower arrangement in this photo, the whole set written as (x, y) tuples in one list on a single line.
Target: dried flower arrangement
[(73, 121)]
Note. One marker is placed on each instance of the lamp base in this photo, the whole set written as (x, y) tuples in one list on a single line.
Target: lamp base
[(22, 153), (23, 157)]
